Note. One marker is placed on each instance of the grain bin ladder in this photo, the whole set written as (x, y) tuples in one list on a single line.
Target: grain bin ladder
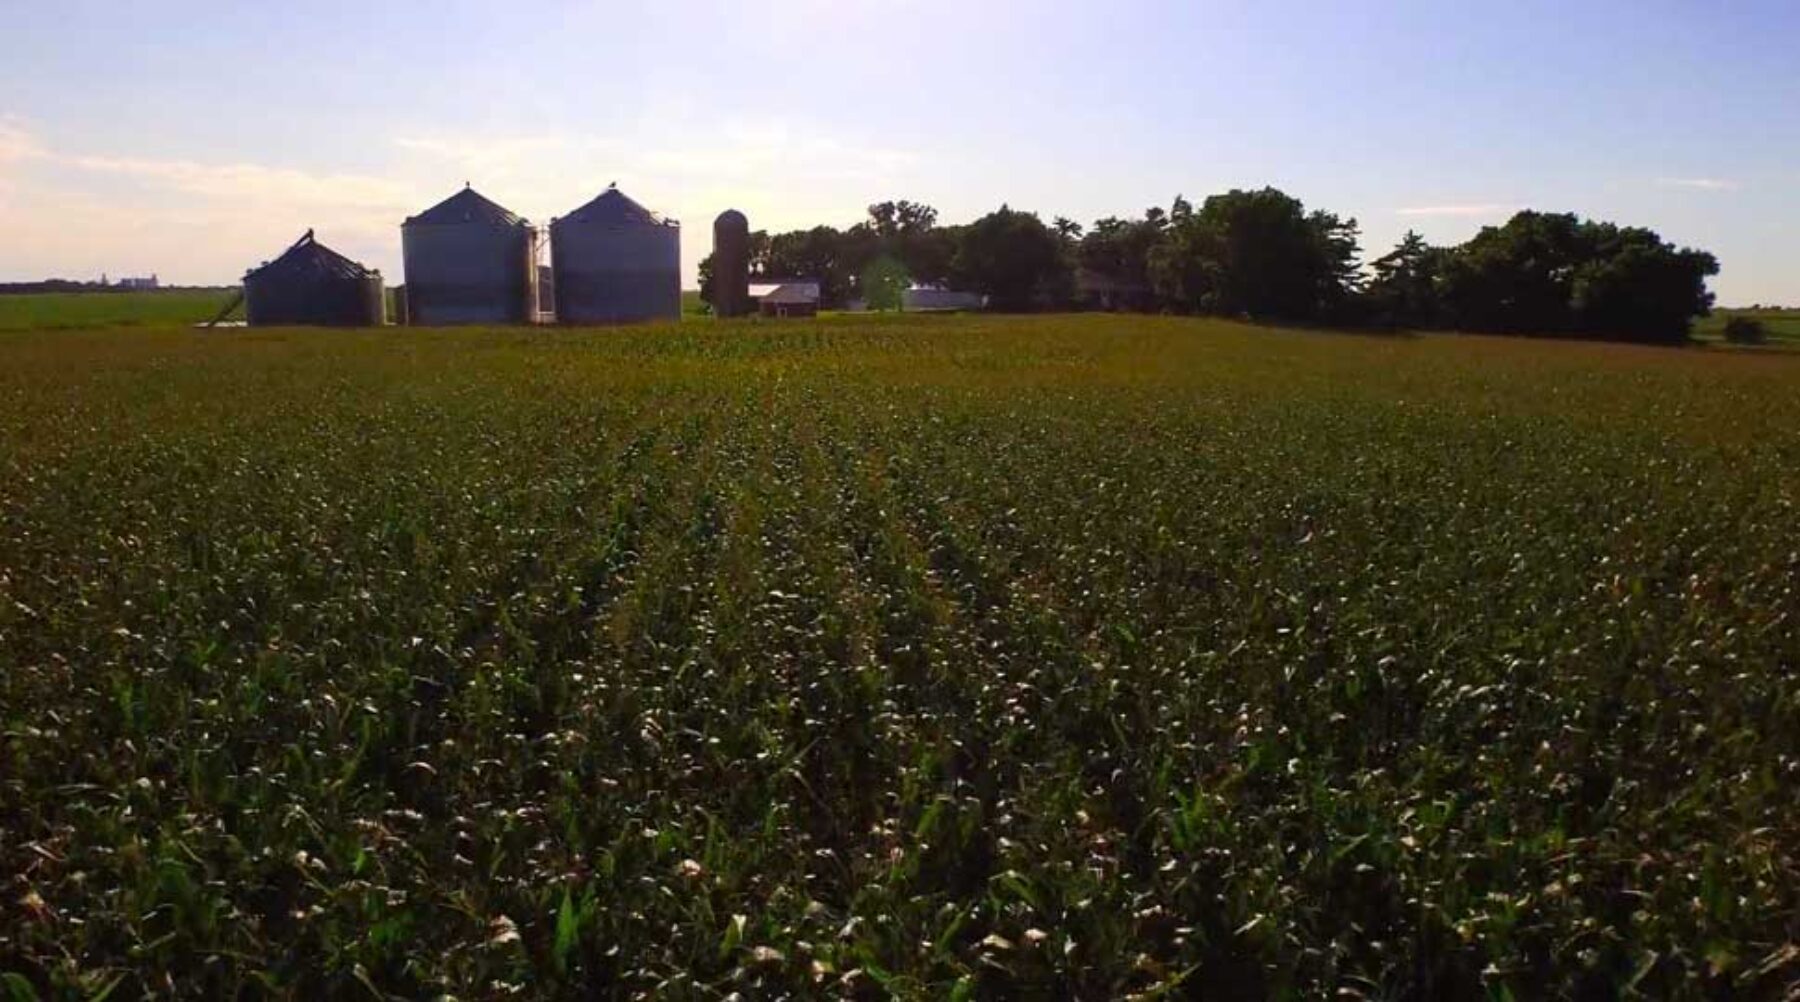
[(236, 301)]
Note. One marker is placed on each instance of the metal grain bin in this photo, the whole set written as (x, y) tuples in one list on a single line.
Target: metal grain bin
[(731, 264), (312, 285), (469, 261), (615, 262)]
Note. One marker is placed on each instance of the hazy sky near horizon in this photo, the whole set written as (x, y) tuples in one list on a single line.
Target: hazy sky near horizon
[(195, 139)]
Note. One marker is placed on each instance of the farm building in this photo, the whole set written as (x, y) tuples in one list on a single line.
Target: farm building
[(312, 285), (615, 262), (929, 297), (469, 261), (785, 297)]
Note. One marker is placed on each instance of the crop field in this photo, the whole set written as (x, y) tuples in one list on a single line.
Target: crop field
[(1781, 327), (82, 310), (920, 657)]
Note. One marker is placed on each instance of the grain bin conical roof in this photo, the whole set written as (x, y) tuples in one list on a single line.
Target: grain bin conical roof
[(466, 206), (614, 208), (310, 259)]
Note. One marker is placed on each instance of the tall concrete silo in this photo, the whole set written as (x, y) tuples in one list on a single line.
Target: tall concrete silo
[(311, 284), (469, 261), (615, 262), (731, 264)]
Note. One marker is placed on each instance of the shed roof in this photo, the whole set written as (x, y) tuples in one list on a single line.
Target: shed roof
[(310, 259), (789, 292), (614, 208), (466, 206)]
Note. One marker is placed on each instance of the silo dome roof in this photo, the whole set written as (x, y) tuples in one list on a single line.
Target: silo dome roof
[(466, 206), (309, 259), (615, 208)]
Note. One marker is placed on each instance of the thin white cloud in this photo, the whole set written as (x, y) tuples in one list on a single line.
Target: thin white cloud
[(17, 141), (785, 150), (253, 182), (1468, 209), (1698, 183), (78, 213)]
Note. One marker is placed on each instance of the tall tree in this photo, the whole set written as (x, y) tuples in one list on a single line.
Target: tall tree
[(883, 284), (1258, 254), (1015, 260), (1404, 290)]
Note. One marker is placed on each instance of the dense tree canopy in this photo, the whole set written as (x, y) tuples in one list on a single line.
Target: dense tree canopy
[(1257, 254), (1555, 274), (1015, 260), (1403, 291), (1261, 254)]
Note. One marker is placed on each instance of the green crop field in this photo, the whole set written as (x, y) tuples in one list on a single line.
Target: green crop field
[(917, 657), (79, 310), (1780, 326)]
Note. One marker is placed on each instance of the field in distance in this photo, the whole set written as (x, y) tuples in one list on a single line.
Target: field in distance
[(967, 657), (73, 311), (79, 310)]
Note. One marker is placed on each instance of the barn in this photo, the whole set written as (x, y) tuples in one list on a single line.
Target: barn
[(615, 262), (312, 285), (786, 297), (469, 261)]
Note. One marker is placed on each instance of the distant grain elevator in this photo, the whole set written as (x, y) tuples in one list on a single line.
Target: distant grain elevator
[(731, 264), (312, 285), (469, 261), (615, 262)]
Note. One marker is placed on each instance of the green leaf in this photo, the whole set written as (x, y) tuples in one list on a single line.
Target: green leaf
[(18, 989), (568, 932), (104, 993)]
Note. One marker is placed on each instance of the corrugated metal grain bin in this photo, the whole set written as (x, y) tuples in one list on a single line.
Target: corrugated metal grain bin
[(615, 262), (469, 261), (312, 285)]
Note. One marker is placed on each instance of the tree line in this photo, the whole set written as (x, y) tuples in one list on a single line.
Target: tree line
[(1262, 255)]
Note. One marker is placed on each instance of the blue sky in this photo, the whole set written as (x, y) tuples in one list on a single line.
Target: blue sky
[(196, 139)]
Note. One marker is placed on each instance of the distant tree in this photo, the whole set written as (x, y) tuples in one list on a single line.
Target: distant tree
[(1555, 274), (1633, 286), (883, 284), (890, 219), (1517, 277), (816, 253), (705, 271), (930, 255), (908, 232), (1745, 330), (1258, 254), (1119, 251), (1015, 260), (1403, 292)]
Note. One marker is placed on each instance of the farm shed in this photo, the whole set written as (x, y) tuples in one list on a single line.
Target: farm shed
[(615, 262), (312, 285), (793, 297), (469, 261)]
